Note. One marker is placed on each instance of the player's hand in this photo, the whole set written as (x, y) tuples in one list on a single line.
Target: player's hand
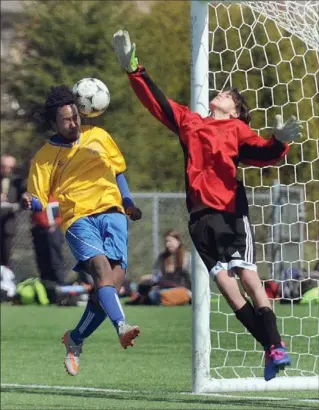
[(288, 131), (125, 51), (26, 200), (134, 213)]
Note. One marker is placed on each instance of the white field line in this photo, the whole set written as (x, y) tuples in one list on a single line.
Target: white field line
[(100, 390)]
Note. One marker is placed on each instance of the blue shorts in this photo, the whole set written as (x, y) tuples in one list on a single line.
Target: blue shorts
[(100, 234)]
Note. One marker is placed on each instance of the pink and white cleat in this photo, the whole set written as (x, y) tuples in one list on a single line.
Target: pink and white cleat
[(275, 359)]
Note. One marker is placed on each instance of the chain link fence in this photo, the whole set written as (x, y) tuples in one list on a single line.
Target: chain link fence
[(164, 211), (161, 212)]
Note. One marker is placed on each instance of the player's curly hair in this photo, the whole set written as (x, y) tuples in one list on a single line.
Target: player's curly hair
[(241, 106), (57, 98)]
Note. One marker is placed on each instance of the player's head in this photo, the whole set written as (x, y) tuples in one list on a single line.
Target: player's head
[(8, 163), (173, 241), (174, 251), (61, 111), (230, 104)]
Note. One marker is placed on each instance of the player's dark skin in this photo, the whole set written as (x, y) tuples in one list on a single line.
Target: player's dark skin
[(68, 122)]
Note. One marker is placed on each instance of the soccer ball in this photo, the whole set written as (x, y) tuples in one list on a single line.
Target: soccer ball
[(92, 97)]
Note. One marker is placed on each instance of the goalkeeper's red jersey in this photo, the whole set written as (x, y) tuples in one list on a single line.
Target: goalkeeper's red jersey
[(212, 148)]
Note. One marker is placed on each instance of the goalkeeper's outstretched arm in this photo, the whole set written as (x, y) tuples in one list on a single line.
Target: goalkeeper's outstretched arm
[(170, 113), (257, 151)]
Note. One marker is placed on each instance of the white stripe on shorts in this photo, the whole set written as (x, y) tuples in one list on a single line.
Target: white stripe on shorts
[(249, 251), (85, 243)]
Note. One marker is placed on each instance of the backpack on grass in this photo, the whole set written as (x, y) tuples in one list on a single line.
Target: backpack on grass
[(32, 292)]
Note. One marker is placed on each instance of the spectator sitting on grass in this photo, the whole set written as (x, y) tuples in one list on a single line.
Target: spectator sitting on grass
[(171, 270)]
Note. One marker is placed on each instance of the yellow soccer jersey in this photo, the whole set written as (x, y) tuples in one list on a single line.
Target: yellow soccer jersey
[(81, 176)]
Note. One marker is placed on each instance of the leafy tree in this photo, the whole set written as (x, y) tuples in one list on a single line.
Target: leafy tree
[(65, 44), (69, 41)]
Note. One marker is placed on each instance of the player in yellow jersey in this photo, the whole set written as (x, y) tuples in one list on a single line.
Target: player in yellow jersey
[(82, 168)]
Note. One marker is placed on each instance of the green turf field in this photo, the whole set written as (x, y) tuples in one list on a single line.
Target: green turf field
[(155, 374)]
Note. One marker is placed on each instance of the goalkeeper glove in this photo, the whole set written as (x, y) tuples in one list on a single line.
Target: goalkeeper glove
[(289, 131), (125, 51)]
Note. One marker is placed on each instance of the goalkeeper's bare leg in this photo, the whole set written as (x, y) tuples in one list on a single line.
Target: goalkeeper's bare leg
[(259, 320)]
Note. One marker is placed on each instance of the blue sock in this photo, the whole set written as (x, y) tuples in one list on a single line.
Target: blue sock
[(91, 319), (110, 303)]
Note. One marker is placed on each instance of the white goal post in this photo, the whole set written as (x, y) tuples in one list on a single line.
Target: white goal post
[(269, 50)]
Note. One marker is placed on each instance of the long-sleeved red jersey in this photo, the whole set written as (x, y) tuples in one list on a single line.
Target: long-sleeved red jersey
[(212, 148)]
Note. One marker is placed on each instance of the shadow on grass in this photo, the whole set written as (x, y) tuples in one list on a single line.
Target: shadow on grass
[(153, 397)]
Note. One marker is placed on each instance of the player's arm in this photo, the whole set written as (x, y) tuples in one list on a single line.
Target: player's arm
[(38, 187), (167, 111), (257, 151), (130, 209)]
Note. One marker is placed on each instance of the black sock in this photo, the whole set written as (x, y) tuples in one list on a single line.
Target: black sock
[(247, 316), (266, 320)]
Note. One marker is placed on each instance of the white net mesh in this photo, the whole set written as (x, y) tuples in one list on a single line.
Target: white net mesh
[(269, 51), (299, 18)]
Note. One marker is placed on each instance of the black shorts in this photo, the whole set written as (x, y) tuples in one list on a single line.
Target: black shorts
[(223, 240)]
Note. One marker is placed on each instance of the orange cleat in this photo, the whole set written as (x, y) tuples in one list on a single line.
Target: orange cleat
[(73, 351)]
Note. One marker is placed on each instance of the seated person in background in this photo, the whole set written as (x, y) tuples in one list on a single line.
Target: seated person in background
[(170, 282)]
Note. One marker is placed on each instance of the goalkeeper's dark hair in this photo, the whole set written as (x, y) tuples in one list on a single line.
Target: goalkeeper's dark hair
[(241, 106), (57, 98)]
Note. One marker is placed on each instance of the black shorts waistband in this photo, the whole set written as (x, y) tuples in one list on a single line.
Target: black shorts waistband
[(195, 216)]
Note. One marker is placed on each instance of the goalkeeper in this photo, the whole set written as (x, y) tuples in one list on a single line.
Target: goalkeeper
[(219, 223), (82, 168)]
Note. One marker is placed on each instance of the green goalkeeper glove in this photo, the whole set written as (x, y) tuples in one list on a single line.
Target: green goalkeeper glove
[(125, 51), (289, 131)]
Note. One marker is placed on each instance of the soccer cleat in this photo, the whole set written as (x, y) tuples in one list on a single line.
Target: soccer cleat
[(127, 334), (270, 370), (73, 351), (275, 359)]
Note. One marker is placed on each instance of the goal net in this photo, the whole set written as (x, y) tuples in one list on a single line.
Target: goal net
[(269, 50)]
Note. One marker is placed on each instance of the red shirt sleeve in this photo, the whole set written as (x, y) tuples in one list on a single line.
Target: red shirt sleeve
[(257, 151), (167, 111)]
